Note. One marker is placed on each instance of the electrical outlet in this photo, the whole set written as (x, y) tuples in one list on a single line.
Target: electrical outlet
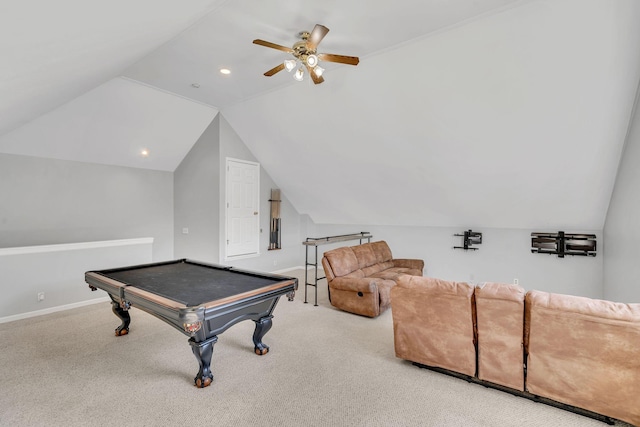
[(275, 262), (185, 230), (515, 281), (40, 296)]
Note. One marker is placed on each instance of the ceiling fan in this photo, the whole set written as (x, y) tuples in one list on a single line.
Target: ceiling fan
[(305, 53)]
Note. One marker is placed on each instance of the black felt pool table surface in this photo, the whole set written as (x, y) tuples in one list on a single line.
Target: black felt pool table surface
[(188, 283)]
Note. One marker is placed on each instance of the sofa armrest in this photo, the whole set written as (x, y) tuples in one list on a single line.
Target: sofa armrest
[(417, 264), (353, 284)]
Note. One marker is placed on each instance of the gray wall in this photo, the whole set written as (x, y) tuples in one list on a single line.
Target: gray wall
[(46, 201), (196, 198), (503, 256), (289, 256), (622, 227), (199, 205), (58, 271)]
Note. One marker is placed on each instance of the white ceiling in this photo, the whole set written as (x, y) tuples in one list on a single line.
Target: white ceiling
[(493, 113)]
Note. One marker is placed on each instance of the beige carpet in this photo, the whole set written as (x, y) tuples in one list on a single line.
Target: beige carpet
[(325, 368)]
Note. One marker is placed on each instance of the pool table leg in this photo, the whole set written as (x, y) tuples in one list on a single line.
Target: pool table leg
[(123, 314), (203, 352), (262, 327)]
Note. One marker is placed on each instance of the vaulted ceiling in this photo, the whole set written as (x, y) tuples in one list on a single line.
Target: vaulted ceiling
[(467, 113)]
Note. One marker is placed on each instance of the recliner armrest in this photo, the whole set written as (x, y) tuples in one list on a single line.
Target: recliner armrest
[(353, 284), (417, 264)]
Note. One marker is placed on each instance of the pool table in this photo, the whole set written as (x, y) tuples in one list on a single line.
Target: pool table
[(200, 300)]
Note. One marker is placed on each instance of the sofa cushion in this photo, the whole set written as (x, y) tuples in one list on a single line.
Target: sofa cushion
[(500, 326), (358, 274), (365, 255), (382, 251), (393, 273), (342, 260), (584, 352), (433, 323), (372, 270)]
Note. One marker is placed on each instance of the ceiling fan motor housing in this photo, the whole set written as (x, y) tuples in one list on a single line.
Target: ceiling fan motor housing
[(301, 50)]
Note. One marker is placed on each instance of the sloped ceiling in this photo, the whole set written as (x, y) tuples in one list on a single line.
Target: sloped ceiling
[(494, 114), (514, 120), (53, 51), (104, 126)]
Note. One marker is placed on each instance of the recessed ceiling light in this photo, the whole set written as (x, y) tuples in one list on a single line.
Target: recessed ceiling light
[(225, 71), (144, 152)]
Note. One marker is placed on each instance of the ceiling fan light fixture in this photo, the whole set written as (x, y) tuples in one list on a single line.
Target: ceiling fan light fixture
[(289, 64), (312, 60), (305, 55)]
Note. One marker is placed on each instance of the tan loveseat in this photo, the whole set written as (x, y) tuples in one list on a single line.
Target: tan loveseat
[(576, 353), (360, 277)]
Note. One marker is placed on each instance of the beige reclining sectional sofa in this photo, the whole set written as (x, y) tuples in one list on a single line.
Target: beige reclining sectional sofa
[(576, 353), (360, 277)]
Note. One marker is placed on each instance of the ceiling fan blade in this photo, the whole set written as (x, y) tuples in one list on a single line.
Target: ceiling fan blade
[(351, 60), (273, 45), (274, 70), (316, 79), (318, 33)]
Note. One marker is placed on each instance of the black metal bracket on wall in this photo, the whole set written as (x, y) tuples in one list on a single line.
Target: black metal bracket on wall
[(562, 244), (469, 238)]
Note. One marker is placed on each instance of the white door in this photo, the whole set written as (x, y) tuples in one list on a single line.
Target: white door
[(243, 202)]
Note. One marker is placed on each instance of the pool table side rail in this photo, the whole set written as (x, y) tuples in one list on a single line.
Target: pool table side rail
[(255, 274), (98, 281), (245, 295), (120, 290), (130, 290), (95, 279), (199, 263), (160, 263)]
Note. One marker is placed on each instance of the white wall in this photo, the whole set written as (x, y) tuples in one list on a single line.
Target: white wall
[(622, 227), (503, 256)]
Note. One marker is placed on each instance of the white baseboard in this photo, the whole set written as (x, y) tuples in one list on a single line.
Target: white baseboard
[(285, 270), (50, 310)]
